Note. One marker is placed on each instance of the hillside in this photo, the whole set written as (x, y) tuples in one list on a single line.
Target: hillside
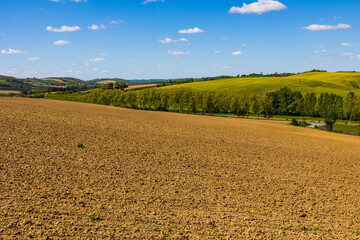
[(319, 82), (13, 83), (128, 82)]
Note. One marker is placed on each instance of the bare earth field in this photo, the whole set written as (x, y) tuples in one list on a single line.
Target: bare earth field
[(146, 175), (132, 87), (9, 91)]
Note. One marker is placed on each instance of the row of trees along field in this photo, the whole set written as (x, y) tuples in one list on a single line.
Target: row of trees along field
[(280, 102)]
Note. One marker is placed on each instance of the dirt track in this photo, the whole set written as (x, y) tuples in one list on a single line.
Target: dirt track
[(149, 174)]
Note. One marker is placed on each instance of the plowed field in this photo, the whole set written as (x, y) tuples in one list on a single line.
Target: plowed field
[(154, 175)]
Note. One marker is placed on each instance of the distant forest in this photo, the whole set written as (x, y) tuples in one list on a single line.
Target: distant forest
[(281, 102)]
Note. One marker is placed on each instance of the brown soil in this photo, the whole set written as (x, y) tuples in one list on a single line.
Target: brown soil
[(9, 91), (106, 82), (53, 79), (132, 87), (148, 174)]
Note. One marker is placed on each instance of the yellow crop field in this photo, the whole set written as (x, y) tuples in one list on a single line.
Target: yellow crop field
[(318, 82), (132, 174)]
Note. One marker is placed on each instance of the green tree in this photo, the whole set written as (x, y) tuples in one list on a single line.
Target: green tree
[(256, 105), (268, 105), (350, 102)]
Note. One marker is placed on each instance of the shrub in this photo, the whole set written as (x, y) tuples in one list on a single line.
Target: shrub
[(302, 123), (329, 121), (294, 122)]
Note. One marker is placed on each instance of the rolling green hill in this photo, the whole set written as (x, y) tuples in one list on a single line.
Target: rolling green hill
[(318, 82), (13, 83)]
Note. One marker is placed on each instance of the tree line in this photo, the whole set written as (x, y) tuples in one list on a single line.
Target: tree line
[(281, 102)]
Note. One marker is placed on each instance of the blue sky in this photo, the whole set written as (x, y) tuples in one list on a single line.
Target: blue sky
[(134, 39)]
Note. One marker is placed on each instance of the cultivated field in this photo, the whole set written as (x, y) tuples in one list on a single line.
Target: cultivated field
[(9, 91), (132, 87), (152, 175), (340, 83)]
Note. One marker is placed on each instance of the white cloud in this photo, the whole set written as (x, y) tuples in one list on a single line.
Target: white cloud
[(116, 21), (217, 52), (178, 52), (61, 42), (346, 54), (70, 0), (321, 51), (95, 69), (5, 71), (95, 60), (348, 44), (237, 53), (33, 58), (317, 27), (12, 51), (73, 71), (191, 30), (151, 1), (63, 29), (168, 40), (259, 7), (96, 27)]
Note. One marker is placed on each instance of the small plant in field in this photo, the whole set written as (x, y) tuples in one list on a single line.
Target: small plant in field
[(216, 197), (94, 217), (304, 228), (146, 203), (112, 234), (286, 229), (26, 145), (80, 145), (357, 233), (162, 232), (267, 215), (331, 235), (316, 229)]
